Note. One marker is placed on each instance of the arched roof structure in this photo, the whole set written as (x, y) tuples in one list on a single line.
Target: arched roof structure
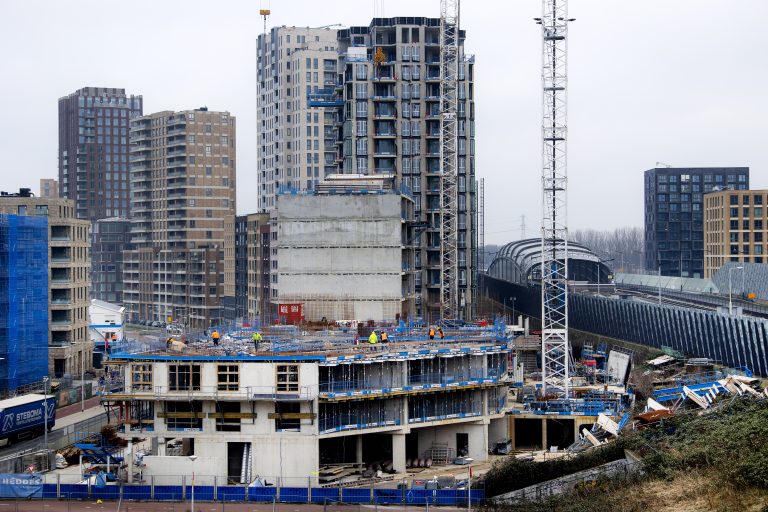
[(519, 262)]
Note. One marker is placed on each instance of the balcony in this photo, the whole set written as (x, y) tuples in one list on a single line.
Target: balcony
[(251, 393)]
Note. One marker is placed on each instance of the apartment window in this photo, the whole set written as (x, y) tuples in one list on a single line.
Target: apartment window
[(207, 150), (361, 146), (361, 108), (758, 200), (191, 139), (208, 128), (361, 91), (183, 416), (184, 377), (227, 417), (228, 376), (362, 164), (361, 72), (141, 377), (286, 416), (287, 377), (224, 140), (406, 72)]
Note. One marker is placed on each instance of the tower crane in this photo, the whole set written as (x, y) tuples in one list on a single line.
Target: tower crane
[(555, 347), (449, 75)]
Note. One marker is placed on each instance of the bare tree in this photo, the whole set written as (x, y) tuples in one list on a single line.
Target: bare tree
[(622, 245)]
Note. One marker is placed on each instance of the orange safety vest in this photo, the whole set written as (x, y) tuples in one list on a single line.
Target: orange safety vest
[(431, 332)]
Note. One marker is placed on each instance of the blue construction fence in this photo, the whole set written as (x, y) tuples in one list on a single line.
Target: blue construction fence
[(34, 486)]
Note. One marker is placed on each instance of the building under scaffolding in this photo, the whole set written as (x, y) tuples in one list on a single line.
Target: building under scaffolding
[(309, 403)]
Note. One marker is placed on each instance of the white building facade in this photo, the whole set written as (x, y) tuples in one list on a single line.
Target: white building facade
[(286, 416), (293, 63)]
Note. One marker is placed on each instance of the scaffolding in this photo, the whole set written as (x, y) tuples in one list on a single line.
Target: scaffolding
[(23, 300)]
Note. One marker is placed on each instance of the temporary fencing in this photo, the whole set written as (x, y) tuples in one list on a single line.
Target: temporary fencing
[(207, 488)]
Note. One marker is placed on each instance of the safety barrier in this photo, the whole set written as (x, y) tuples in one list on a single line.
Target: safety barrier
[(382, 493)]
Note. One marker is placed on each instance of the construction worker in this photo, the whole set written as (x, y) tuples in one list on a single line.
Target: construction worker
[(114, 337), (215, 337), (384, 337), (431, 333), (373, 339), (441, 333), (256, 338), (168, 342)]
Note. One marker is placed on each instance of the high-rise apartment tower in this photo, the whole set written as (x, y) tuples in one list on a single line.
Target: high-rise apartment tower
[(674, 215), (93, 150), (390, 121), (296, 146), (183, 186)]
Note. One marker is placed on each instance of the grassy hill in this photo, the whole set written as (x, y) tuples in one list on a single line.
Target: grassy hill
[(712, 461)]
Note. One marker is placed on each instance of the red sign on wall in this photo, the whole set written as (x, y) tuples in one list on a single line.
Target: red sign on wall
[(290, 313)]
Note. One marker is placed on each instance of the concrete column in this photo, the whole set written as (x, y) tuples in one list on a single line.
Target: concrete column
[(398, 452), (544, 445), (130, 462), (153, 445), (161, 446), (359, 449), (511, 430)]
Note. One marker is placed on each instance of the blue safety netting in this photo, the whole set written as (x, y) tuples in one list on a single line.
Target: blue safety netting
[(23, 300)]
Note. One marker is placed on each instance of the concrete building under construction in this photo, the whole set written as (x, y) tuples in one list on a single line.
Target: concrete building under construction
[(294, 407), (344, 250)]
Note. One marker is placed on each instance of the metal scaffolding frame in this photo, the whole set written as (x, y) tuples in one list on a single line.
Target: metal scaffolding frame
[(449, 76), (554, 223)]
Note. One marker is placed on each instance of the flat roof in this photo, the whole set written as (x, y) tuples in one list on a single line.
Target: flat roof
[(314, 350)]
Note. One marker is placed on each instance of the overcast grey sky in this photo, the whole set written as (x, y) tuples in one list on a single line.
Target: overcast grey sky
[(677, 81)]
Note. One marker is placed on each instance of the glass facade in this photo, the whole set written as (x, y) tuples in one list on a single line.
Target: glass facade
[(674, 216)]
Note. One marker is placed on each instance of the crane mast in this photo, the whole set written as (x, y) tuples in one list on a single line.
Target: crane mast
[(555, 347), (449, 75)]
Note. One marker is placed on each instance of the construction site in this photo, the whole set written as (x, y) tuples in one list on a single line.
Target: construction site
[(318, 404)]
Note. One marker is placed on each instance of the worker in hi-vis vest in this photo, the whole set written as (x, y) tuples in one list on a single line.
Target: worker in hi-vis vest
[(373, 338)]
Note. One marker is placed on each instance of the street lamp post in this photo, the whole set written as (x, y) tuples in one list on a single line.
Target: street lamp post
[(659, 285), (730, 295), (82, 376), (45, 412), (193, 458), (598, 272)]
